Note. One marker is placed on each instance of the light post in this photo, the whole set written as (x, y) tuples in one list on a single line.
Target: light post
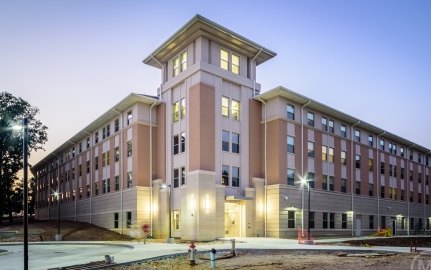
[(306, 182), (25, 193), (164, 186), (58, 235)]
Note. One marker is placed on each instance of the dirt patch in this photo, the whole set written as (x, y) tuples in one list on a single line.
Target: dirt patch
[(70, 231), (282, 259)]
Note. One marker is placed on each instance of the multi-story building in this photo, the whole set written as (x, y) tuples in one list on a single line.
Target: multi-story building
[(211, 156)]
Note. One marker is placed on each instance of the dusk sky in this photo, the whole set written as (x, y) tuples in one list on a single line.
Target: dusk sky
[(74, 60)]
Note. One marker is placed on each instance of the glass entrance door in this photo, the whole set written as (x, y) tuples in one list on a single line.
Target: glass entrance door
[(231, 219)]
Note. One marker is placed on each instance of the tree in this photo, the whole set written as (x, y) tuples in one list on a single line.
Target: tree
[(12, 111)]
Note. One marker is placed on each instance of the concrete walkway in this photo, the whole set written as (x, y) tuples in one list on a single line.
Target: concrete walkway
[(55, 254)]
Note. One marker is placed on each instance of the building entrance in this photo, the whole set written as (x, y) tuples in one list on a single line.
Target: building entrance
[(231, 219)]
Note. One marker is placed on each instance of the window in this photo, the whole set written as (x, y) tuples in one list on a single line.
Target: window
[(411, 175), (402, 152), (225, 175), (80, 147), (382, 192), (106, 186), (310, 179), (96, 188), (426, 161), (310, 119), (402, 195), (343, 221), (371, 222), (393, 193), (428, 223), (382, 144), (80, 170), (343, 131), (290, 112), (395, 170), (343, 185), (331, 154), (129, 180), (117, 125), (370, 140), (370, 189), (331, 125), (357, 135), (331, 183), (183, 108), (419, 197), (235, 176), (331, 220), (116, 220), (382, 168), (183, 142), (108, 130), (225, 106), (235, 109), (419, 158), (412, 223), (411, 155), (370, 164), (427, 180), (183, 175), (324, 153), (390, 147), (325, 221), (88, 191), (180, 63), (96, 163), (343, 158), (290, 177), (224, 59), (391, 169), (291, 219), (117, 182), (235, 64), (129, 219), (176, 219), (310, 149), (290, 144), (129, 117), (324, 182), (402, 173), (176, 178), (176, 144), (176, 111), (419, 177), (88, 142), (96, 137), (88, 166), (311, 221), (383, 222), (129, 148), (358, 188), (117, 154), (225, 141), (324, 124), (105, 157), (235, 143), (358, 161)]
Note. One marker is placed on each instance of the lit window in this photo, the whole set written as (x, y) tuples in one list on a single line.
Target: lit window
[(183, 61), (183, 108), (180, 63), (176, 111), (331, 155), (224, 59), (343, 158), (176, 65), (235, 176), (235, 64), (235, 109), (324, 153), (290, 144), (176, 219), (235, 143), (105, 157), (370, 164), (225, 175), (225, 141), (290, 112), (225, 106), (129, 148)]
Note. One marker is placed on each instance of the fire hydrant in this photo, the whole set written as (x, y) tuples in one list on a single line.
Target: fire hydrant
[(213, 258), (192, 254)]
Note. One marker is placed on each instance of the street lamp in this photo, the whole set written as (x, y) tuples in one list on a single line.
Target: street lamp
[(58, 235), (164, 186), (306, 182)]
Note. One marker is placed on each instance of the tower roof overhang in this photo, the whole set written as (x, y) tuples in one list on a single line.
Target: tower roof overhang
[(201, 26)]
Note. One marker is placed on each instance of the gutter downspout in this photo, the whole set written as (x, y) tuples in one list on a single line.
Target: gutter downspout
[(91, 175), (120, 169), (76, 179), (378, 179), (353, 168), (254, 74), (266, 167), (302, 164), (408, 190), (151, 168), (159, 94)]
